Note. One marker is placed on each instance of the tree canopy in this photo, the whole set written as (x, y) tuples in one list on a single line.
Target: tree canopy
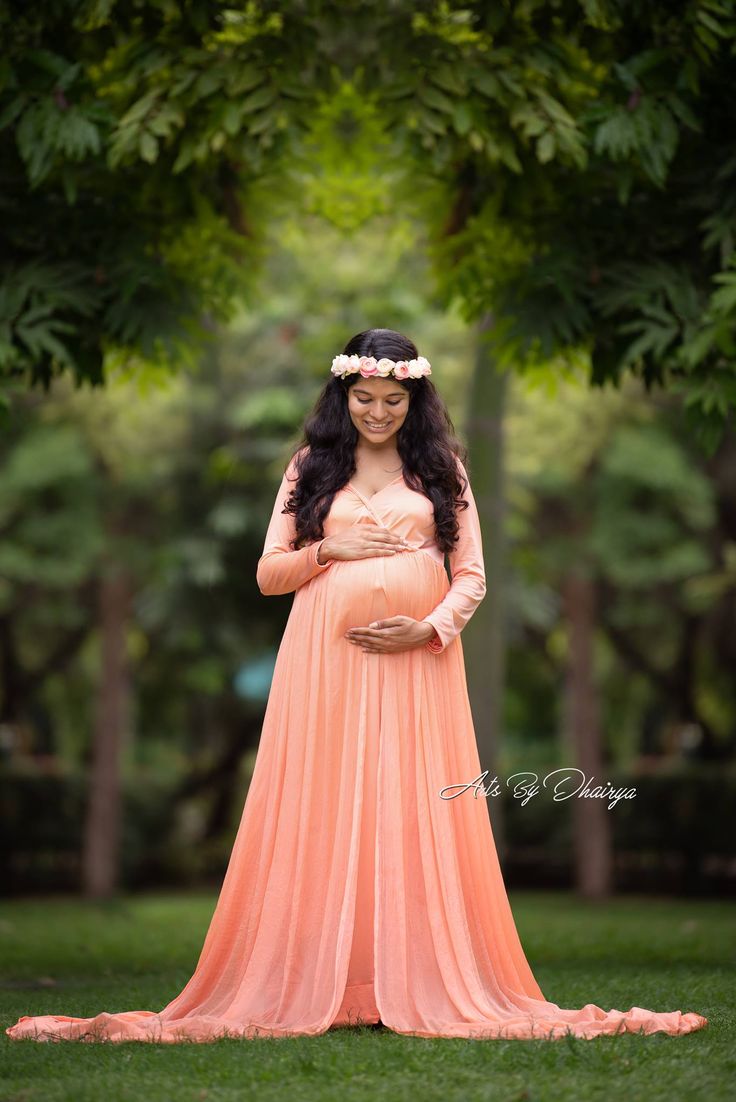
[(575, 160)]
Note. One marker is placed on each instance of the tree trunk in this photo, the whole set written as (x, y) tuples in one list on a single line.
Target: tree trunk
[(593, 859), (101, 858), (484, 635), (11, 675)]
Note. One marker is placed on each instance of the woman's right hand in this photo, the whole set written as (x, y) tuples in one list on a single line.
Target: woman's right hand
[(361, 541)]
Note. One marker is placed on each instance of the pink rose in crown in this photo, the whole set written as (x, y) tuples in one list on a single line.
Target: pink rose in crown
[(401, 371), (367, 366)]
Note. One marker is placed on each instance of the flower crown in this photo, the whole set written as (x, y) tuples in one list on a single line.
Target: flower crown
[(368, 365)]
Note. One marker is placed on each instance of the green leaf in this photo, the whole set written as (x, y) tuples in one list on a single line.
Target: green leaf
[(462, 118), (148, 147), (435, 99), (232, 118), (248, 76), (12, 111), (430, 120), (139, 110), (451, 79), (184, 157), (262, 97), (486, 83), (265, 121), (546, 147), (399, 89), (724, 299), (509, 79)]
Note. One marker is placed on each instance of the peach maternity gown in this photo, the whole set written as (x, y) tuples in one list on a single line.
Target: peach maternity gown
[(354, 890)]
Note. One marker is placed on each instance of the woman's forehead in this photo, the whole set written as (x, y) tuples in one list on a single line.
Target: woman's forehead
[(379, 387)]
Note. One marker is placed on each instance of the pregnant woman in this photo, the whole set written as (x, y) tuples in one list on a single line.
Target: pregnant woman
[(357, 892)]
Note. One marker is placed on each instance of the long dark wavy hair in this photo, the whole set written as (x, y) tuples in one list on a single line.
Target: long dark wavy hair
[(325, 456)]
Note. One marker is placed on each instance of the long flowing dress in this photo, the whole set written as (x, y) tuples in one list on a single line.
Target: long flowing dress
[(355, 892)]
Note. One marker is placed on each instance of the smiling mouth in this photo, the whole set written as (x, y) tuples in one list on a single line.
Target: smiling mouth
[(382, 425)]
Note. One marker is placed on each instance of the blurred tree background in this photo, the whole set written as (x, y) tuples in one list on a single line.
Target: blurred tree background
[(201, 204)]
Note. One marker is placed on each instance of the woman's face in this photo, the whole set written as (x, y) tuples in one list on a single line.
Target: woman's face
[(378, 409)]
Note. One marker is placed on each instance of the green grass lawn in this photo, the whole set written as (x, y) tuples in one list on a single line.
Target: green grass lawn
[(63, 956)]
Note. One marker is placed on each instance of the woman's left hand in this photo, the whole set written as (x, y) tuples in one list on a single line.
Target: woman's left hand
[(396, 633)]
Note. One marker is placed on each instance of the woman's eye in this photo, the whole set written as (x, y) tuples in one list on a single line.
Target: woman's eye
[(366, 401)]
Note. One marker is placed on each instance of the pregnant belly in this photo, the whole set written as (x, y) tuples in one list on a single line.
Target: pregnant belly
[(358, 591)]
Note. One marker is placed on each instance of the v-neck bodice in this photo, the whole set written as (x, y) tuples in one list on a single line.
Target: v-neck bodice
[(369, 497), (395, 506)]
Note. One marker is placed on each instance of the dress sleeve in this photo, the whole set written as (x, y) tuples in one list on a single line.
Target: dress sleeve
[(468, 578), (280, 569)]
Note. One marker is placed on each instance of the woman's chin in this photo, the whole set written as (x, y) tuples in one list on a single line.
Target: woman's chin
[(377, 437)]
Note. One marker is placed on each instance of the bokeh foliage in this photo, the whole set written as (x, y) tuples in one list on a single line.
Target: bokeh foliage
[(574, 158)]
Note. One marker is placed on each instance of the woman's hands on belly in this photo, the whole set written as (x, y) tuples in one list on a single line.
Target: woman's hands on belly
[(395, 633), (361, 541), (378, 600)]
